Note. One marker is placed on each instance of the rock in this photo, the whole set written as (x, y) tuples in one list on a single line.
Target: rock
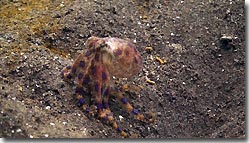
[(226, 42)]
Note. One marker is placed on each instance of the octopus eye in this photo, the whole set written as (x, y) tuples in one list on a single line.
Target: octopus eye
[(103, 46)]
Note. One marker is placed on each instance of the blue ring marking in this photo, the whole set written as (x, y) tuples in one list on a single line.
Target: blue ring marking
[(106, 92), (135, 112), (119, 129), (135, 60), (94, 70), (86, 80), (105, 118), (81, 101), (69, 76), (97, 57), (124, 100), (87, 110), (82, 64), (104, 75), (88, 53), (62, 73), (105, 105), (99, 106), (96, 87), (80, 75), (118, 52), (79, 90)]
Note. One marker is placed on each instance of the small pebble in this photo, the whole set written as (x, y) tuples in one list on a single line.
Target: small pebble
[(18, 130), (20, 88), (226, 42), (160, 60), (150, 81), (61, 5), (120, 117), (47, 107), (149, 49)]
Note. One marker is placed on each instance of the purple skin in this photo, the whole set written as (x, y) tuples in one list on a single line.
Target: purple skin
[(104, 57)]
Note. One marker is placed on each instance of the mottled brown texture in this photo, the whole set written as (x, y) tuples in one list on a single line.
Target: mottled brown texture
[(199, 91)]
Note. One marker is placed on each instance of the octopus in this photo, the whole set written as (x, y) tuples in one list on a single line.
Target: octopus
[(93, 70)]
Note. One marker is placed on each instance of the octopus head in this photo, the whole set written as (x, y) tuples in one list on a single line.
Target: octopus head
[(121, 57)]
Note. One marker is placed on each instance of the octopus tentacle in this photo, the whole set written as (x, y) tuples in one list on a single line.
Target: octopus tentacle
[(131, 110), (103, 58)]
